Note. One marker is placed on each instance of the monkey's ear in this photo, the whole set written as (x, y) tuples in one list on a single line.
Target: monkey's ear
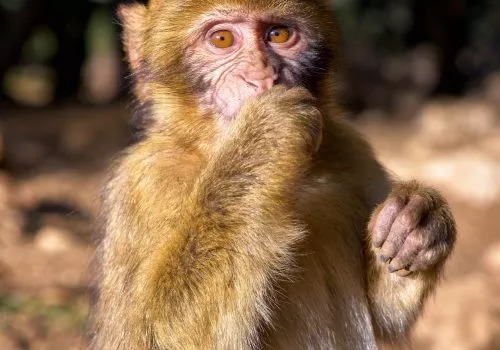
[(133, 20)]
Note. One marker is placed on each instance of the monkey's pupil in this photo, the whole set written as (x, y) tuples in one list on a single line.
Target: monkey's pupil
[(278, 35)]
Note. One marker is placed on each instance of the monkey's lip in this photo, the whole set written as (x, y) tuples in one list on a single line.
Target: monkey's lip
[(230, 101)]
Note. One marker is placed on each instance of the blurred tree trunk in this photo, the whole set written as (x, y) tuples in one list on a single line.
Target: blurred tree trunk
[(445, 24)]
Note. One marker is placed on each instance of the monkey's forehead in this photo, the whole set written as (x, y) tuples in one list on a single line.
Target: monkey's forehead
[(307, 10)]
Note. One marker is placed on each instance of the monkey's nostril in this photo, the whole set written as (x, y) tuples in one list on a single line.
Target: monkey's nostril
[(261, 85)]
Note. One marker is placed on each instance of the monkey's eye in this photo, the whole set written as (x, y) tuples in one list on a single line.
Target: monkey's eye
[(279, 34), (222, 39)]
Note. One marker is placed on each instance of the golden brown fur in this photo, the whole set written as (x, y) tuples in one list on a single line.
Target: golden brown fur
[(250, 237)]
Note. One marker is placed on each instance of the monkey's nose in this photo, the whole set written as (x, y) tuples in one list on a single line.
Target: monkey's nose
[(261, 79), (261, 85)]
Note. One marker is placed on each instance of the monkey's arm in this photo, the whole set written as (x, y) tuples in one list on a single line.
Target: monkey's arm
[(411, 235), (200, 269)]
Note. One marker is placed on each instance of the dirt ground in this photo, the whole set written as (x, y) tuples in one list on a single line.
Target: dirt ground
[(49, 187)]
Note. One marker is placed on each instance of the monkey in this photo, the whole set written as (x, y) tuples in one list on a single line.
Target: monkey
[(251, 214)]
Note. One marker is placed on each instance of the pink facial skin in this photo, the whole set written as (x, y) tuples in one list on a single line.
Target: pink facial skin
[(225, 78)]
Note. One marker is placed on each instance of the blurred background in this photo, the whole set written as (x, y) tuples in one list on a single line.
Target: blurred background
[(421, 78)]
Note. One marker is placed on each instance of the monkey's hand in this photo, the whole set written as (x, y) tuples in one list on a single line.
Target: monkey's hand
[(264, 150), (413, 230), (281, 119), (412, 234)]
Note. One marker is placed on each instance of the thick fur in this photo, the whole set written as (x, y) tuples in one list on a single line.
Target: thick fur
[(253, 236)]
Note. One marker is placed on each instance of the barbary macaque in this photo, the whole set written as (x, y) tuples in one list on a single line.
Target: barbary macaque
[(251, 215)]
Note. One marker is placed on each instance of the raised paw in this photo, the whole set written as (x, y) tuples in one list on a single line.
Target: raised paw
[(413, 230), (289, 114), (288, 96)]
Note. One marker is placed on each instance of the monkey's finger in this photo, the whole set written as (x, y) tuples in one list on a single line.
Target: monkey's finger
[(428, 259), (407, 221), (416, 241), (441, 233), (382, 222), (427, 246)]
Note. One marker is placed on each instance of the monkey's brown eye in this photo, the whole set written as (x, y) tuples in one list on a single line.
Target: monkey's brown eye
[(279, 34), (222, 39)]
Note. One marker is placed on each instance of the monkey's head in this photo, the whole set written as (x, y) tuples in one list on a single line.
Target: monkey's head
[(216, 54)]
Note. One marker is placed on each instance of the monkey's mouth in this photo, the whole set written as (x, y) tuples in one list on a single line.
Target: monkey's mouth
[(228, 100)]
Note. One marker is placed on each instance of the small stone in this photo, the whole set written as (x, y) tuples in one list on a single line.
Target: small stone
[(54, 240)]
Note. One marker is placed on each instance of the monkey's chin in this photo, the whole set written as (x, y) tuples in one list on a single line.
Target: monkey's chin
[(228, 112)]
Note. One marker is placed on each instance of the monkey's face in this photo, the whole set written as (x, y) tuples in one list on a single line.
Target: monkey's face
[(238, 57), (220, 53)]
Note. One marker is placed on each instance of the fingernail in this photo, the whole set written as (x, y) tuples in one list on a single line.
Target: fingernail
[(383, 258), (403, 273)]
